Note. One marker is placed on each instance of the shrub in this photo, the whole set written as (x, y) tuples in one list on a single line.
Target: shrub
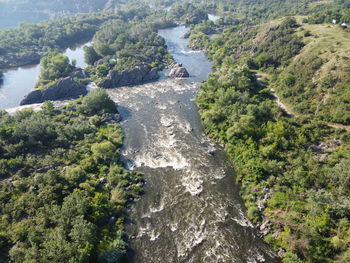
[(97, 102)]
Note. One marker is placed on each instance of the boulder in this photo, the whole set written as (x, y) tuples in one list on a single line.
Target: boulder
[(65, 88), (186, 35), (174, 64), (129, 77), (179, 72), (99, 62)]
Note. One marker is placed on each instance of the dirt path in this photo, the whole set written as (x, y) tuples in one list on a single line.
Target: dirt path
[(281, 104), (339, 126), (262, 79)]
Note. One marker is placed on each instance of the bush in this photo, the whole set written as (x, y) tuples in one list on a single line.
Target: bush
[(97, 102), (253, 213), (111, 256)]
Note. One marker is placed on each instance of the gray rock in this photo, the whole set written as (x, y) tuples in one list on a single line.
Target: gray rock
[(265, 225), (66, 88), (186, 35), (99, 62), (14, 60), (129, 77), (33, 97), (152, 75), (174, 65), (179, 72), (79, 73)]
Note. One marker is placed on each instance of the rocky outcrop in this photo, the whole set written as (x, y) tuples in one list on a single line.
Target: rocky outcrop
[(178, 71), (65, 88), (186, 35), (129, 77), (20, 60)]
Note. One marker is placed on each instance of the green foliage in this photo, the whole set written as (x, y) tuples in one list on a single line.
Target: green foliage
[(53, 67), (38, 38), (284, 178), (124, 45), (97, 102), (290, 258), (105, 151), (90, 55), (61, 183), (188, 13)]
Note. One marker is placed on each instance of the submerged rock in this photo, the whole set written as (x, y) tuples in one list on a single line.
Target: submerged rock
[(129, 77), (186, 35), (65, 88)]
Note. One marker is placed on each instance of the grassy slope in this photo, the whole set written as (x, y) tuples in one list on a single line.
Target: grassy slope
[(325, 92), (321, 70)]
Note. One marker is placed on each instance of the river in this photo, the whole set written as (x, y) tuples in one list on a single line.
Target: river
[(191, 210), (18, 82)]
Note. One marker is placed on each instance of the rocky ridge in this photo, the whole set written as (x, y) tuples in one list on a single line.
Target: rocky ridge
[(66, 88), (129, 77), (9, 60)]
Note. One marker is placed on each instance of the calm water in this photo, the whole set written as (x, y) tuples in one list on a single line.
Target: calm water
[(191, 210), (18, 82)]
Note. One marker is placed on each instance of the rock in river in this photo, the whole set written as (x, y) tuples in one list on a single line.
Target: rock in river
[(65, 88), (129, 77), (179, 72)]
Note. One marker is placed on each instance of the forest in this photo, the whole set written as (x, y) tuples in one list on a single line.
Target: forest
[(63, 188), (41, 38)]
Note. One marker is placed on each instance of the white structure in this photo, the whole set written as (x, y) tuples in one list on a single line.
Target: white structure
[(334, 21)]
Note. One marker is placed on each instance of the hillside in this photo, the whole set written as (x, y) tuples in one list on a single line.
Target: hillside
[(291, 167), (307, 64)]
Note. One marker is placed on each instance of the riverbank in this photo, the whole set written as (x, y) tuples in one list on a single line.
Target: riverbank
[(285, 166)]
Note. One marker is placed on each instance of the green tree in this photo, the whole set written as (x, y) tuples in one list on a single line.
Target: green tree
[(55, 66), (105, 151), (90, 55), (97, 102)]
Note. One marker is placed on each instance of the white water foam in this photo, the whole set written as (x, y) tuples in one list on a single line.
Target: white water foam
[(193, 182), (193, 236), (242, 219)]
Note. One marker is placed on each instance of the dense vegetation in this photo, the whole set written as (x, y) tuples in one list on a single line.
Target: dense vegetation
[(292, 170), (53, 67), (62, 187), (39, 38), (187, 13), (15, 11), (121, 45)]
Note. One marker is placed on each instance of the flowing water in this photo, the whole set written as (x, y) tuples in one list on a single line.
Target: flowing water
[(18, 82), (191, 210)]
